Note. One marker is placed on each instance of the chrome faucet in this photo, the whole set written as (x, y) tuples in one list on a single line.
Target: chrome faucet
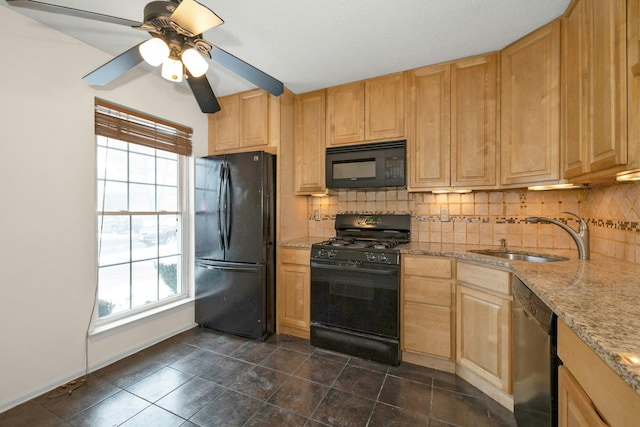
[(581, 237)]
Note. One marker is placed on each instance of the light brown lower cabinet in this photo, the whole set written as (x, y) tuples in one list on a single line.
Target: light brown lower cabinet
[(574, 406), (483, 329), (293, 292), (427, 311), (590, 393)]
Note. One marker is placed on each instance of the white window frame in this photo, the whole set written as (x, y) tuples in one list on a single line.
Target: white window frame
[(184, 173)]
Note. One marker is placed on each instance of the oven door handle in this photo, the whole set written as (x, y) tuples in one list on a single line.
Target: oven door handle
[(388, 272)]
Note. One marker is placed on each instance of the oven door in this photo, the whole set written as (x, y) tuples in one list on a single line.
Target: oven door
[(355, 297)]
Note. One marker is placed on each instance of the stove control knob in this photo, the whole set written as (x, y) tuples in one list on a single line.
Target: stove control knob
[(371, 257), (383, 258), (322, 253), (331, 254)]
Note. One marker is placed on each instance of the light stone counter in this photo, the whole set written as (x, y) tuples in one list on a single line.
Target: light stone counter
[(303, 242), (598, 299)]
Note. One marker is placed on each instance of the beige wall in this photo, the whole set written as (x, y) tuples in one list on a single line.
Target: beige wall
[(47, 206), (486, 217)]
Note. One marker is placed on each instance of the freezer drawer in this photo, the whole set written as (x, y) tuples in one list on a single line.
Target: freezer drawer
[(234, 298)]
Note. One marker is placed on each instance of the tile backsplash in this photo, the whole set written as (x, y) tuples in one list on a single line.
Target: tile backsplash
[(485, 217)]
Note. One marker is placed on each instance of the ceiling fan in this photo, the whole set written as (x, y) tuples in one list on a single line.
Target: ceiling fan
[(176, 27)]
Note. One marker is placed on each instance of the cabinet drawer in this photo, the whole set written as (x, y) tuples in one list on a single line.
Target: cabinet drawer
[(487, 278), (427, 329), (426, 290), (295, 256), (418, 265)]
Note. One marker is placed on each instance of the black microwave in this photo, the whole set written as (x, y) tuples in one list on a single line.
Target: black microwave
[(367, 166)]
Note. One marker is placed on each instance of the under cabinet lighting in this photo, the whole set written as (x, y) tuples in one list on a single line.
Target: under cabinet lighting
[(567, 186), (630, 175), (451, 191)]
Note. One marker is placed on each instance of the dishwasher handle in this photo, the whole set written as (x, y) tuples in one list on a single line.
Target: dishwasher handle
[(532, 305)]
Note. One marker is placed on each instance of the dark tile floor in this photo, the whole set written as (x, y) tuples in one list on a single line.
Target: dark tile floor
[(204, 378)]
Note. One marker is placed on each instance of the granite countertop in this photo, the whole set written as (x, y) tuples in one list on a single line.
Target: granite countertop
[(598, 299), (303, 242)]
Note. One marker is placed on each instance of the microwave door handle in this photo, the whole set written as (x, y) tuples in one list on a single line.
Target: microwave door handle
[(220, 217)]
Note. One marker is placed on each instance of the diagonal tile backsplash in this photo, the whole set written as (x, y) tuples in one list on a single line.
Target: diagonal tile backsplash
[(485, 217)]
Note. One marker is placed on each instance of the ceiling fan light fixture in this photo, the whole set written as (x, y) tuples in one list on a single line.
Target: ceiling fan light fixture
[(194, 62), (154, 51), (172, 70)]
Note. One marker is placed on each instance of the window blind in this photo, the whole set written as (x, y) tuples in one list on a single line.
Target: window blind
[(118, 122)]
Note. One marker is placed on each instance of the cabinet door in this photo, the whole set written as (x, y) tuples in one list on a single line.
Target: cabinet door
[(474, 95), (483, 335), (293, 291), (384, 107), (429, 128), (427, 329), (575, 95), (345, 114), (608, 88), (224, 125), (574, 407), (310, 142), (530, 116), (254, 118)]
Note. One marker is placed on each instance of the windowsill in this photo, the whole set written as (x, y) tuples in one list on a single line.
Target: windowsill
[(110, 328)]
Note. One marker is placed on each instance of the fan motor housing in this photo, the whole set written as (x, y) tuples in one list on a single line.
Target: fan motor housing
[(158, 13)]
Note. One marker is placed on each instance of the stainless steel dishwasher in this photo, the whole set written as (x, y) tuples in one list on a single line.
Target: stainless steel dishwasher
[(535, 361)]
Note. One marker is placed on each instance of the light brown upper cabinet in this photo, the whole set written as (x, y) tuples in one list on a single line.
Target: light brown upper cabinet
[(247, 121), (310, 142), (594, 87), (370, 110), (530, 115), (452, 124), (429, 138), (474, 108)]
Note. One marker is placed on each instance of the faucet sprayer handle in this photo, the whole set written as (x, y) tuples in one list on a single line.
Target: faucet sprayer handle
[(583, 223)]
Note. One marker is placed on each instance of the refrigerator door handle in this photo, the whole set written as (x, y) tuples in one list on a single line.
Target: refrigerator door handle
[(227, 220), (226, 268), (220, 217)]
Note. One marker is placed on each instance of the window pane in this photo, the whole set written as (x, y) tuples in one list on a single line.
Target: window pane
[(169, 235), (116, 197), (167, 155), (144, 279), (168, 199), (142, 198), (113, 293), (112, 143), (135, 148), (144, 244), (142, 168), (170, 274), (113, 243), (167, 172), (116, 164)]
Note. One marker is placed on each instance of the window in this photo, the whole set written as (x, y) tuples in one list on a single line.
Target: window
[(141, 193)]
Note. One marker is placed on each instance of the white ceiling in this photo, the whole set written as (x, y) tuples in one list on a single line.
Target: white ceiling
[(313, 44)]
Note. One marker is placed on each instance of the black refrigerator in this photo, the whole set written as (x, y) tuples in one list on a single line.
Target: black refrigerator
[(235, 243)]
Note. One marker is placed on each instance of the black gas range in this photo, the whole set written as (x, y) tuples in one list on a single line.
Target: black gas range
[(355, 287)]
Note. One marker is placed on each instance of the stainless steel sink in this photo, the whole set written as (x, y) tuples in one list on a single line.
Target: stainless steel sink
[(519, 255)]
